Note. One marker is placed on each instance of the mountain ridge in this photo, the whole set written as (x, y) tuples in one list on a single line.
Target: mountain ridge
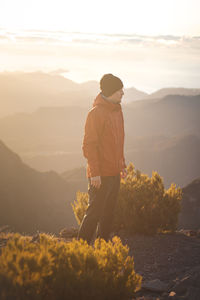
[(30, 199), (26, 91)]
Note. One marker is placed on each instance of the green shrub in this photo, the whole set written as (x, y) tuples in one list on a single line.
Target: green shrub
[(144, 206), (53, 269)]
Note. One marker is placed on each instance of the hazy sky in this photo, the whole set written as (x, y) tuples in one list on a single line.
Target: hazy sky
[(178, 17), (149, 43)]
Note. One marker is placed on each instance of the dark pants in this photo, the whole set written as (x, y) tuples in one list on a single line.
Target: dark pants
[(101, 207)]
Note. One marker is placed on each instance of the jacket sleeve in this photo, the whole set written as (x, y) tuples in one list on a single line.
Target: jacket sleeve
[(90, 144)]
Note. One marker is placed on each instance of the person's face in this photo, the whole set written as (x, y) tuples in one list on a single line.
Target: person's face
[(117, 96)]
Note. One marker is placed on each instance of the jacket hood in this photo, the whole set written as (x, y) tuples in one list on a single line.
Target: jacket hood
[(99, 100)]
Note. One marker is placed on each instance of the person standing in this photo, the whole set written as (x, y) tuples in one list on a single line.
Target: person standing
[(103, 147)]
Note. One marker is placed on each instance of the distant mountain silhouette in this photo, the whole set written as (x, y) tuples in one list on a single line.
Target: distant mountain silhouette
[(47, 129), (31, 200), (61, 128), (176, 158), (189, 217), (172, 115), (77, 178), (174, 91), (75, 174), (132, 94), (26, 92)]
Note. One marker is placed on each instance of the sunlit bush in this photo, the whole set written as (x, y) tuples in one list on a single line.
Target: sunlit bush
[(56, 270), (144, 205), (80, 205)]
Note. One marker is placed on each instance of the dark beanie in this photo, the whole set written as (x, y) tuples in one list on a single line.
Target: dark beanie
[(109, 84)]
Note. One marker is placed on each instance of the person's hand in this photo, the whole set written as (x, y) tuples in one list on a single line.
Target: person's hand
[(123, 173), (96, 181)]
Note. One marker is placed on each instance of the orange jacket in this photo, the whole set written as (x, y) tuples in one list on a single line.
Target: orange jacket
[(103, 142)]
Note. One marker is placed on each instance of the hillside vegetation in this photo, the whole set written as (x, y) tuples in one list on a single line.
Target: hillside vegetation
[(54, 269), (144, 205)]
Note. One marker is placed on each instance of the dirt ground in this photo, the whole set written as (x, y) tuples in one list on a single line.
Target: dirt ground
[(174, 259)]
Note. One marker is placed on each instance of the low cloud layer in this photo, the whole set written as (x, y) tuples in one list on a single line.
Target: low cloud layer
[(145, 62), (61, 37)]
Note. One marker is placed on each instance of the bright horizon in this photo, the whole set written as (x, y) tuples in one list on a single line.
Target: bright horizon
[(148, 17), (150, 44)]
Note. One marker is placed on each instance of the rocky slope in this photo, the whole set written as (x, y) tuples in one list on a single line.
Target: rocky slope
[(32, 200)]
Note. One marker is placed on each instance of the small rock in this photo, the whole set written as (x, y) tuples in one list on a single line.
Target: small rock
[(172, 294), (155, 286), (69, 233)]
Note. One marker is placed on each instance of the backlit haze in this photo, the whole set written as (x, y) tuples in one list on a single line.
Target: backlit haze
[(149, 44)]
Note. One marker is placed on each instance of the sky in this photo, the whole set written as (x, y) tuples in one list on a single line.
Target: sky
[(177, 17), (149, 43)]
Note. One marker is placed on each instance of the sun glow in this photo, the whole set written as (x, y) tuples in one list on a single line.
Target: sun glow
[(149, 43), (130, 16)]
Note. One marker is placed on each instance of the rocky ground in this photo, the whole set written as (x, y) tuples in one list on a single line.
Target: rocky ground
[(169, 263)]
